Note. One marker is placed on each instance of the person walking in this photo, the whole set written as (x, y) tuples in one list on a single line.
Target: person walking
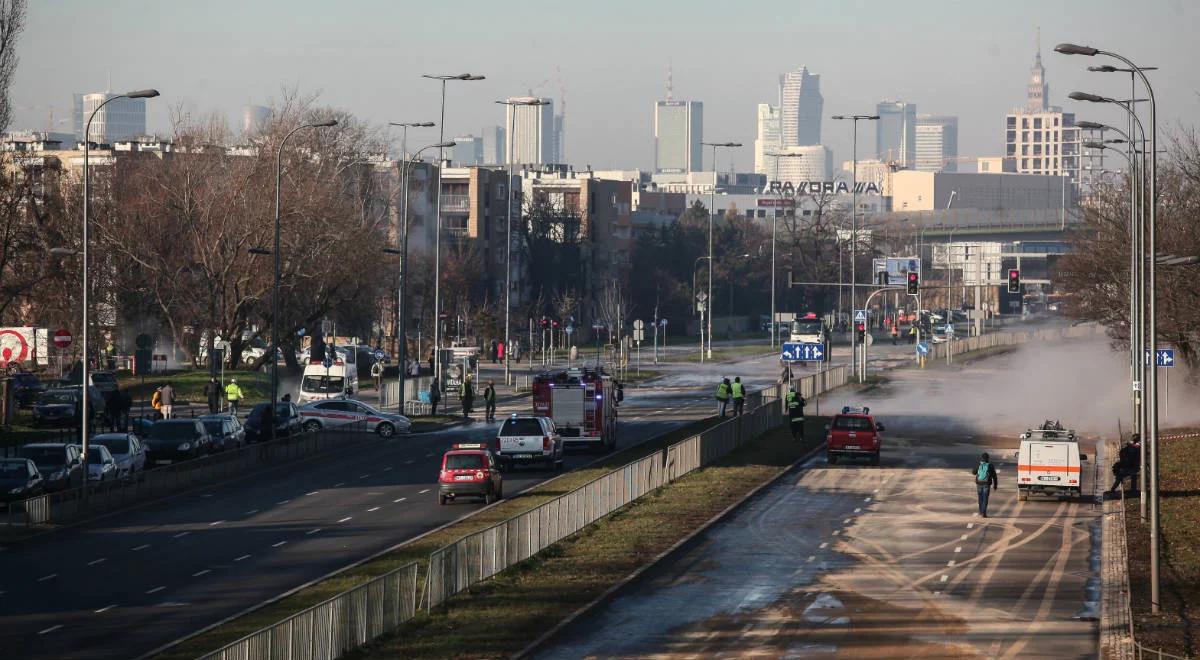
[(895, 333), (156, 402), (212, 392), (489, 401), (112, 409), (167, 398), (912, 333), (126, 406), (723, 396), (435, 395), (467, 396), (739, 396), (795, 411), (1128, 464), (233, 394), (985, 482)]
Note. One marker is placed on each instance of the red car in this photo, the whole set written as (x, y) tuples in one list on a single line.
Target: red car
[(469, 469), (852, 433)]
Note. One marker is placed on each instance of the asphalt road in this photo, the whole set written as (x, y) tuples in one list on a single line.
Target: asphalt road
[(121, 586), (881, 562)]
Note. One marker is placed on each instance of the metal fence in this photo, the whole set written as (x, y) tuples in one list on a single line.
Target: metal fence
[(96, 498), (330, 629)]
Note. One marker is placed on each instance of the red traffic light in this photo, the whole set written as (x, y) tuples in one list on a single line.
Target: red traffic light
[(1014, 280), (861, 327)]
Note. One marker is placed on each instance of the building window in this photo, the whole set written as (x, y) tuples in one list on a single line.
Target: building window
[(1011, 136), (1012, 122), (1037, 122), (1056, 121), (1037, 136), (1012, 150), (1037, 150), (1037, 163), (1024, 163), (1024, 136), (1024, 122), (1024, 150)]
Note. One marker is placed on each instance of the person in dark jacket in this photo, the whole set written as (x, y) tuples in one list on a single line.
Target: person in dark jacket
[(112, 409), (126, 406), (467, 395), (435, 393), (1128, 463), (489, 401), (212, 392), (795, 411), (985, 481), (738, 391)]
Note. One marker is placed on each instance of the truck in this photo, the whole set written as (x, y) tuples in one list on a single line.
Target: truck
[(582, 402), (1049, 462), (808, 329)]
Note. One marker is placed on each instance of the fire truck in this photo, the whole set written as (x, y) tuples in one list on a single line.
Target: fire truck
[(582, 402)]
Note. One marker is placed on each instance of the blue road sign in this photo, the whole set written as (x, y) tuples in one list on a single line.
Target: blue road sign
[(328, 363), (1164, 357), (802, 352), (379, 354), (923, 348)]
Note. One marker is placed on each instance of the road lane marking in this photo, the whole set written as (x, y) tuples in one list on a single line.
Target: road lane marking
[(203, 572), (180, 535), (251, 512), (312, 531), (346, 518), (964, 537), (958, 549), (104, 609), (312, 493), (282, 502), (50, 629), (364, 476), (214, 524), (374, 508), (339, 484), (811, 557), (387, 469), (423, 492), (950, 563), (408, 462), (242, 557), (867, 498), (279, 544), (836, 532), (857, 510), (970, 525), (155, 590), (171, 603), (430, 455), (97, 561), (945, 577), (846, 521), (141, 547), (400, 500), (824, 545), (47, 577)]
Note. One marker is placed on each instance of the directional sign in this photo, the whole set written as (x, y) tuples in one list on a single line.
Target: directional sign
[(860, 315), (802, 352), (62, 338), (638, 324), (379, 354), (923, 348), (569, 329), (1164, 357), (327, 363)]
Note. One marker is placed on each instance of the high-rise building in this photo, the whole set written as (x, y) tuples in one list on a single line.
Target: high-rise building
[(77, 114), (811, 162), (533, 133), (895, 133), (254, 118), (559, 156), (800, 106), (937, 143), (767, 139), (121, 119), (678, 132), (1038, 91), (467, 151), (494, 146)]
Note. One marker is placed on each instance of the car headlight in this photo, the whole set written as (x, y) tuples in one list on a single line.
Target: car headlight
[(17, 491), (184, 446)]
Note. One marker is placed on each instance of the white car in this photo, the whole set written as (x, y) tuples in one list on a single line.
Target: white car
[(529, 439), (126, 450), (101, 465), (335, 413)]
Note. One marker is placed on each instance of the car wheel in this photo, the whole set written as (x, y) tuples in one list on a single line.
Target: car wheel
[(1022, 496), (442, 500), (489, 497), (385, 430), (831, 458), (312, 426)]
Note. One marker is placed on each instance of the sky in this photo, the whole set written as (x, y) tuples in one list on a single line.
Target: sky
[(969, 59)]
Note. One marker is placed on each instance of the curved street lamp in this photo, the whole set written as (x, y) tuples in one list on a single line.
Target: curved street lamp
[(712, 200), (854, 119)]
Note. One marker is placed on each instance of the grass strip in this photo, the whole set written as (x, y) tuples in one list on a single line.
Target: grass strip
[(1176, 629), (499, 617), (420, 549), (189, 385)]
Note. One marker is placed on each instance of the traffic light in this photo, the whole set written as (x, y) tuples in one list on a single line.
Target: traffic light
[(914, 282), (554, 324), (1014, 280), (860, 328), (544, 323)]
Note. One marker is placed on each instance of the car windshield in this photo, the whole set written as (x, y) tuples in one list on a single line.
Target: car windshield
[(213, 426), (102, 378), (514, 427), (172, 431), (464, 462), (95, 455), (852, 423), (44, 456), (56, 396), (13, 470), (115, 445), (26, 380), (807, 327), (323, 384)]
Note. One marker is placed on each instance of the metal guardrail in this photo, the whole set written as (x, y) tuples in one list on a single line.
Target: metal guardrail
[(96, 498), (332, 628)]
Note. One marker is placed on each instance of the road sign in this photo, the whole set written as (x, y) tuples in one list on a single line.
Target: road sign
[(327, 363), (802, 352), (638, 324), (860, 315), (701, 296), (62, 338), (1164, 357), (569, 329), (379, 354), (663, 322), (923, 348)]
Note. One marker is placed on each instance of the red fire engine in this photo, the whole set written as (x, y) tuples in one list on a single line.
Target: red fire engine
[(582, 402)]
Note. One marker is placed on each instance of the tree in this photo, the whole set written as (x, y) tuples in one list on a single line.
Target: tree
[(552, 244), (12, 23)]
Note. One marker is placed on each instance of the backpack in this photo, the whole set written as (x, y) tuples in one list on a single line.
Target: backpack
[(981, 472)]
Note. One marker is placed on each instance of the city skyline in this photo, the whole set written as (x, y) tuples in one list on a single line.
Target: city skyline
[(990, 74)]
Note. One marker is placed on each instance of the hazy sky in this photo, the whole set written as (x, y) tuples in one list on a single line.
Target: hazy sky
[(969, 59)]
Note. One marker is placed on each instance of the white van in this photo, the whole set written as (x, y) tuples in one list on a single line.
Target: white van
[(320, 382), (1049, 463)]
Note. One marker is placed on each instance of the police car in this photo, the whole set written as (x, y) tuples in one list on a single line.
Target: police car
[(853, 433), (348, 414), (469, 470)]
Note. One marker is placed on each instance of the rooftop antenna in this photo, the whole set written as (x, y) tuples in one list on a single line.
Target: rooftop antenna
[(670, 82), (108, 80)]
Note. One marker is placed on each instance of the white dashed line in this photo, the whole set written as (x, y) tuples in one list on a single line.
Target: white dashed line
[(950, 563), (364, 476), (214, 524), (279, 544), (311, 493), (964, 537), (857, 510), (339, 484), (102, 610), (242, 557), (811, 557), (387, 469), (945, 577), (846, 521), (958, 549), (141, 547), (867, 498), (206, 495), (155, 590), (399, 500), (180, 535), (97, 561), (374, 508), (875, 491), (50, 629), (203, 572), (312, 531), (346, 518), (171, 603), (251, 512), (282, 502), (970, 525), (430, 455), (408, 462), (824, 545), (47, 577), (423, 492)]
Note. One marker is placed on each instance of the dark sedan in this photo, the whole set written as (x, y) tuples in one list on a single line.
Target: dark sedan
[(26, 388), (19, 479), (286, 418), (174, 440), (226, 431), (61, 406), (61, 465)]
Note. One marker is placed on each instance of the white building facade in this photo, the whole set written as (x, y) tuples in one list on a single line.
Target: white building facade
[(533, 141), (121, 119), (936, 143), (678, 132)]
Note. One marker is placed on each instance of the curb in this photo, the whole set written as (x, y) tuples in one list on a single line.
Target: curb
[(678, 546)]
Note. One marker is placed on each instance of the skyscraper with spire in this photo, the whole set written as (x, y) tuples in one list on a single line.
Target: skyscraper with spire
[(1038, 91), (678, 132)]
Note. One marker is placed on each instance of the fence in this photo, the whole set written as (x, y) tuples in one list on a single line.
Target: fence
[(332, 628), (91, 499)]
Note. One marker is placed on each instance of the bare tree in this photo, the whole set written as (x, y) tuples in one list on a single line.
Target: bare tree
[(12, 23)]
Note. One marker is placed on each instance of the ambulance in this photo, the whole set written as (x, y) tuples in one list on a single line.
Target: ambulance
[(1049, 462), (327, 380)]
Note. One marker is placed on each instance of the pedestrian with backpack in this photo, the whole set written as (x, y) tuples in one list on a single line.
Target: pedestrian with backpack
[(985, 482)]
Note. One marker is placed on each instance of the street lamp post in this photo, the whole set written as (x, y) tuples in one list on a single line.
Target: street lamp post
[(712, 201), (697, 303), (87, 144), (437, 231), (513, 104), (854, 119), (774, 218), (1152, 311)]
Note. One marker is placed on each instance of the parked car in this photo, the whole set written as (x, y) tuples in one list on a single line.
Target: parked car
[(61, 406), (105, 381), (286, 417), (19, 479), (60, 464), (226, 431), (26, 388), (356, 415), (126, 449), (174, 440), (101, 464)]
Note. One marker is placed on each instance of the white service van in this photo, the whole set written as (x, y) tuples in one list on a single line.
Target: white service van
[(1049, 462), (322, 382)]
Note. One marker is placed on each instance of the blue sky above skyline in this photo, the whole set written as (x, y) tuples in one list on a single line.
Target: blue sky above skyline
[(969, 59)]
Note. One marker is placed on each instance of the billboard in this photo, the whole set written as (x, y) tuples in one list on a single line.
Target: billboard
[(893, 271), (24, 345)]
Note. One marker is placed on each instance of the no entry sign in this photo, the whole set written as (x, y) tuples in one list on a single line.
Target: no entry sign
[(62, 338)]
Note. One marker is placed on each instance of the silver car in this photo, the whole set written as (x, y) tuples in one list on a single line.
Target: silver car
[(126, 450), (100, 464), (334, 413)]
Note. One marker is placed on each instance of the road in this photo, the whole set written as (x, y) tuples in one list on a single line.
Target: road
[(123, 585), (890, 561)]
